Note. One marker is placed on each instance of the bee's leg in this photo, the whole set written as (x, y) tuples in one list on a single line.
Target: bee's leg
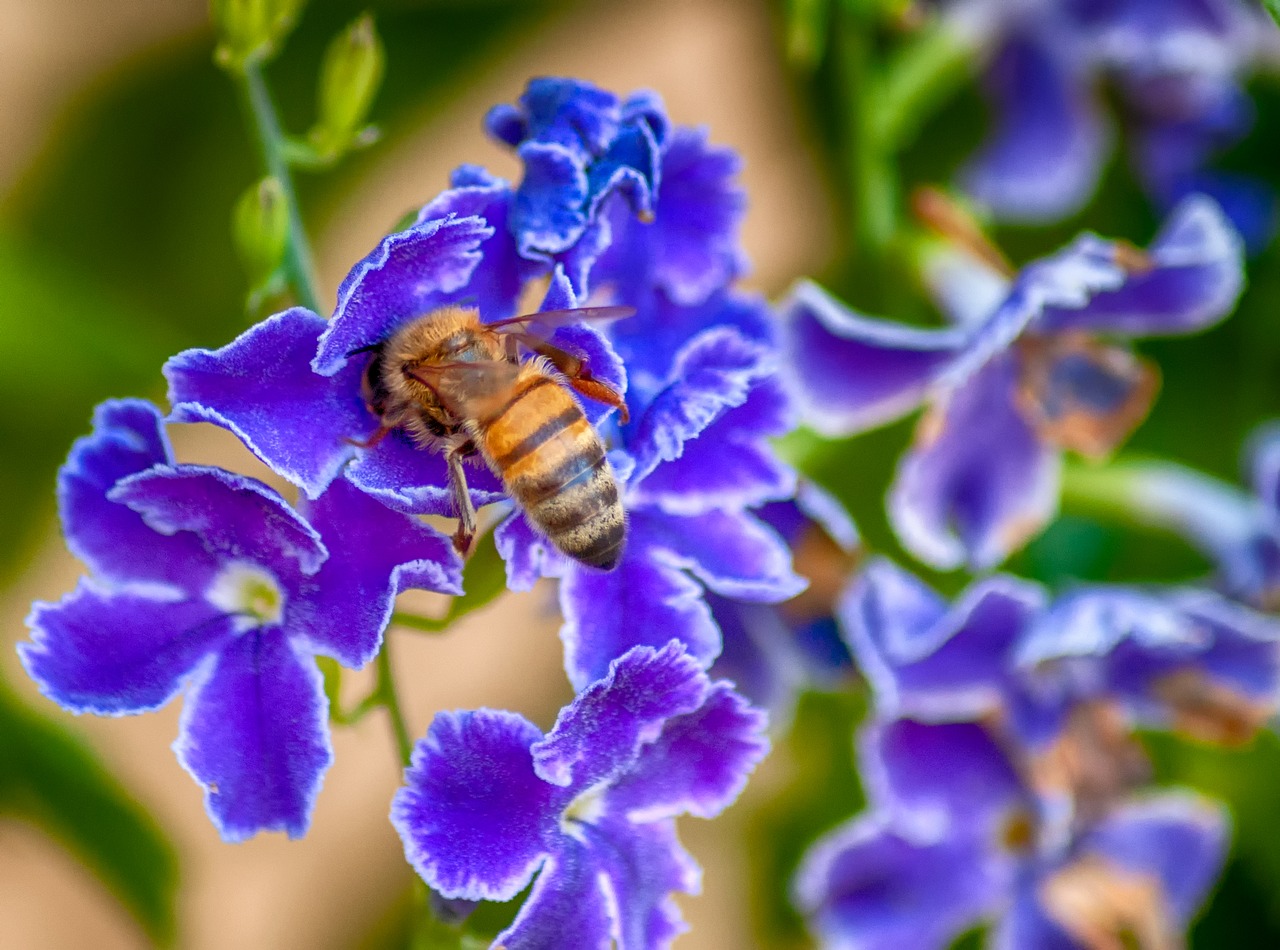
[(577, 373), (462, 506), (379, 434)]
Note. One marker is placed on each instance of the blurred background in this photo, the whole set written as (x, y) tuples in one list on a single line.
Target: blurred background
[(122, 151)]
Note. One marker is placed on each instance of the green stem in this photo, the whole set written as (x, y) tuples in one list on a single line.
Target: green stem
[(298, 263), (386, 691)]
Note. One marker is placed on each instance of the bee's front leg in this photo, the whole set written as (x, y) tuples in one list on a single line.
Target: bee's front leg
[(462, 506)]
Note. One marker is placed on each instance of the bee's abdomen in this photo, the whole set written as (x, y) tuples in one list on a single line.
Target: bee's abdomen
[(554, 465)]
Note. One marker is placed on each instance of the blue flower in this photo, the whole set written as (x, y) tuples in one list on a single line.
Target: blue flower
[(489, 801), (952, 840), (208, 582), (1178, 69), (1020, 375)]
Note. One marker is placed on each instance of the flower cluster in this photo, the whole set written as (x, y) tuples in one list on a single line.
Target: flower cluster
[(1177, 70), (1004, 778)]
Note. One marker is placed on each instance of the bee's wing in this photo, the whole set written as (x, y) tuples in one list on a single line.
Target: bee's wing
[(473, 390), (545, 323)]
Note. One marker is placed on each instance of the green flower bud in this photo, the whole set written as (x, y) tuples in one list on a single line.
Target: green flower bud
[(251, 29), (349, 81), (260, 227)]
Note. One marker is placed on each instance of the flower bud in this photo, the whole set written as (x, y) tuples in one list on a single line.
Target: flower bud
[(349, 80), (251, 29), (260, 227)]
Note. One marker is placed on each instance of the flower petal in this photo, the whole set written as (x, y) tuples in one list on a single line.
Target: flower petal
[(699, 479), (112, 540), (642, 866), (978, 482), (699, 763), (715, 371), (237, 518), (376, 554), (475, 819), (1043, 159), (255, 735), (939, 779), (864, 887), (1180, 839), (850, 373), (262, 388), (601, 734), (734, 553), (119, 652), (529, 556), (568, 907), (1195, 276), (408, 274), (643, 601)]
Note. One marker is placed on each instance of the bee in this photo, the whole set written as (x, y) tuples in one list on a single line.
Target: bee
[(457, 385)]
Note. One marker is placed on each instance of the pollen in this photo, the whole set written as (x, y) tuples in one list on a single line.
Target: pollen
[(249, 593)]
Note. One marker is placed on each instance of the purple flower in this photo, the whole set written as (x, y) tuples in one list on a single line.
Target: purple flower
[(1010, 387), (1178, 68), (208, 582), (773, 651), (953, 841), (489, 801)]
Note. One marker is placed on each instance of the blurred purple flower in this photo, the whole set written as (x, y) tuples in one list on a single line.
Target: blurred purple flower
[(489, 801), (1016, 379), (952, 841), (208, 582), (1178, 67)]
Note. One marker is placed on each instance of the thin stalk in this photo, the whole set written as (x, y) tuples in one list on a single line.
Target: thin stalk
[(298, 263), (391, 700)]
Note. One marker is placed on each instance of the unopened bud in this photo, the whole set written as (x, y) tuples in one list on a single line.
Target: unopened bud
[(349, 81), (260, 227), (251, 29)]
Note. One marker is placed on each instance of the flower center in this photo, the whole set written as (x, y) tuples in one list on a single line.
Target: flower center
[(583, 810), (248, 593)]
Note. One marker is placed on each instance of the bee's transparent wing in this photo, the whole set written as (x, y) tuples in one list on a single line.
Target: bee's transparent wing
[(469, 390)]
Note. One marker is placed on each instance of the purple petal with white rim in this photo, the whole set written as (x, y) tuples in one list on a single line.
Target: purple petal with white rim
[(939, 779), (568, 906), (415, 480), (978, 483), (1262, 459), (937, 667), (262, 388), (119, 652), (475, 819), (501, 275), (759, 656), (1043, 159), (643, 866), (377, 553), (237, 518), (699, 479), (864, 887), (1180, 839), (549, 212), (735, 554), (408, 274), (698, 764), (1196, 276), (712, 373), (110, 538), (255, 735), (600, 735), (850, 373), (644, 601)]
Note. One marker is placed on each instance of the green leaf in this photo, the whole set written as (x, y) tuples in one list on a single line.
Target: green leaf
[(50, 777), (1273, 7)]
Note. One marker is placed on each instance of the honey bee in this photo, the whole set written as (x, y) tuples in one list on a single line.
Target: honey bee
[(460, 386)]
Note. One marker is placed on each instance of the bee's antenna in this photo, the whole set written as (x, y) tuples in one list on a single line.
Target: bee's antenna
[(363, 349)]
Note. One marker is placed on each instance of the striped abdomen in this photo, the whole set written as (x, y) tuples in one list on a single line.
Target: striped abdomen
[(553, 463)]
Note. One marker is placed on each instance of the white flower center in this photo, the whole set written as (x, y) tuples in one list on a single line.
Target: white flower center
[(249, 593), (583, 810)]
